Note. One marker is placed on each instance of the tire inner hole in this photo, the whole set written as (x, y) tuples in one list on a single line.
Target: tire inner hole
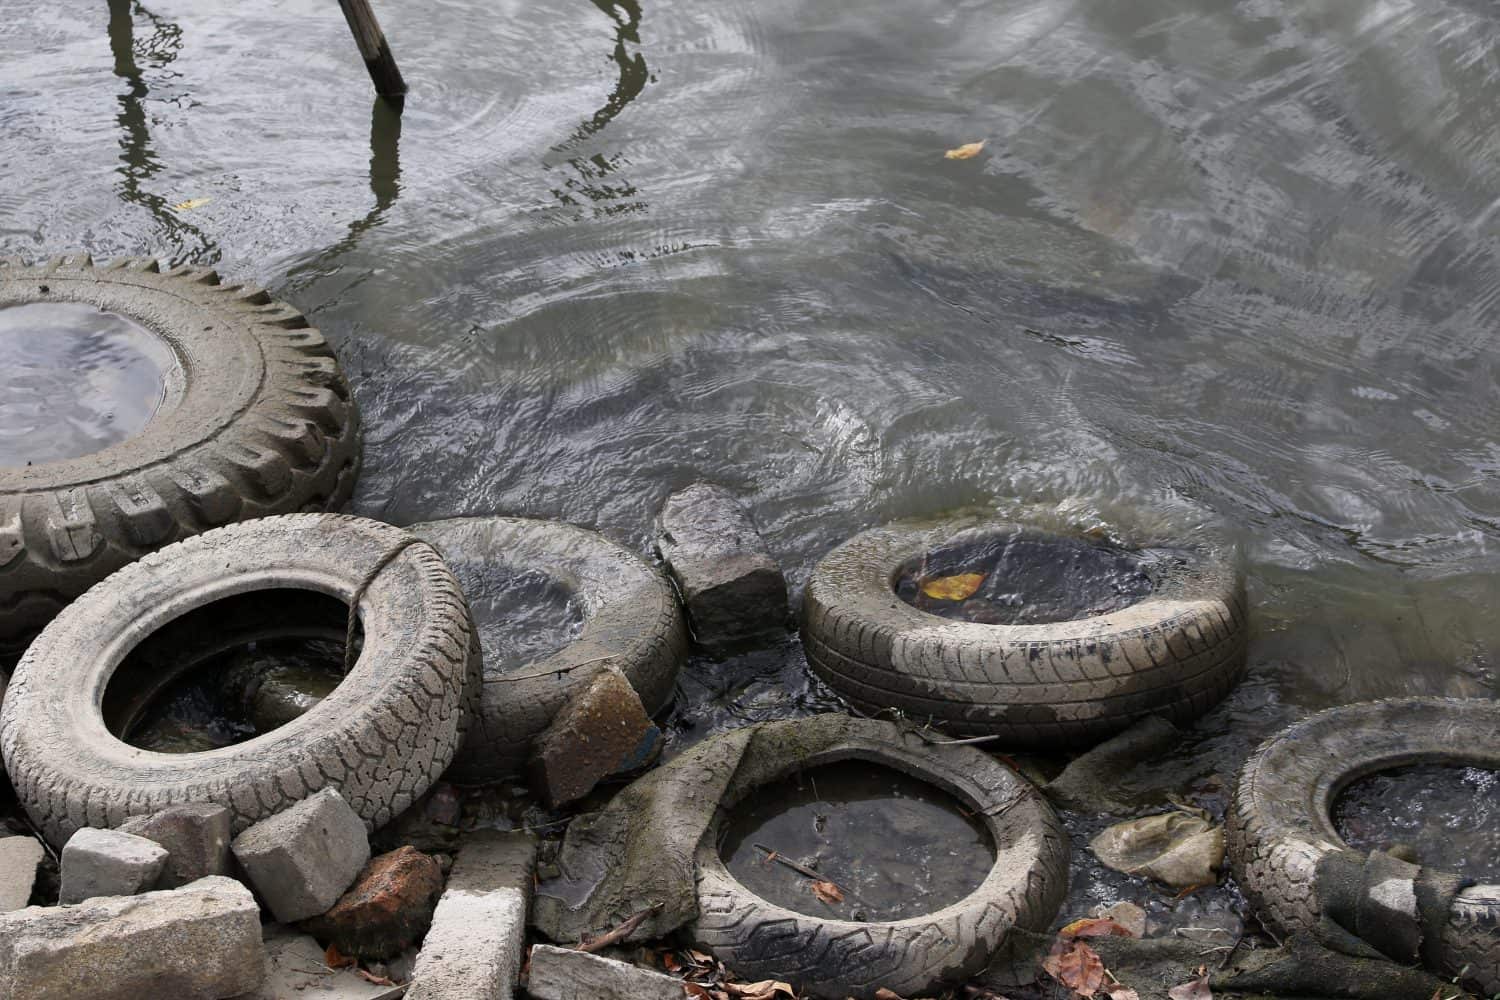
[(1441, 816), (229, 671), (76, 379), (1023, 579), (892, 845), (522, 615)]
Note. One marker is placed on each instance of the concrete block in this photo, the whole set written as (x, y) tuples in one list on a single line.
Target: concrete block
[(108, 863), (474, 947), (196, 837), (19, 857), (302, 859), (596, 733), (565, 974), (200, 941), (733, 590)]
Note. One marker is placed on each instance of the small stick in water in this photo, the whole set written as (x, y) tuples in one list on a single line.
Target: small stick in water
[(802, 870)]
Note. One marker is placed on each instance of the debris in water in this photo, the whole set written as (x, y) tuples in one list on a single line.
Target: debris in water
[(967, 151), (959, 587), (190, 204)]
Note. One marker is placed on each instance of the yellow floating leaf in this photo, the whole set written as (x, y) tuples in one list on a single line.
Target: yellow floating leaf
[(953, 588), (190, 204), (967, 151)]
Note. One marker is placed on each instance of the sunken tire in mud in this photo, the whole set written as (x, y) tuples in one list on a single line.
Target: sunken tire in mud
[(1175, 653), (1280, 829), (759, 940), (381, 737), (631, 620), (257, 420)]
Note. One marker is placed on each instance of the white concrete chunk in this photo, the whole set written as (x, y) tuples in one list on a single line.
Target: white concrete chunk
[(108, 863), (302, 859), (478, 934), (566, 974), (201, 941), (19, 857)]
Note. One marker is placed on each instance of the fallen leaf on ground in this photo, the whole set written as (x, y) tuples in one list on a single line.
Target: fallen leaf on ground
[(694, 990), (190, 204), (885, 994), (1121, 993), (953, 588), (967, 151), (1195, 990), (370, 977), (827, 892), (1178, 848), (1096, 927), (335, 959), (1076, 966), (766, 989)]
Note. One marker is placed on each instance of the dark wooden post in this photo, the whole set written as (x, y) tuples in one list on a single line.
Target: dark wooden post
[(372, 46)]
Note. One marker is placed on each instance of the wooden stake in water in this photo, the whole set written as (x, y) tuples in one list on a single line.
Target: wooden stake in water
[(373, 47)]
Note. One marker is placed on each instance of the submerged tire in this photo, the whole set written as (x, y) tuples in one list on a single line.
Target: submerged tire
[(631, 620), (759, 940), (381, 737), (1280, 827), (257, 420), (1174, 654)]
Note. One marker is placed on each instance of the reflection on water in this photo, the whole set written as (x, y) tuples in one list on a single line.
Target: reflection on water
[(1448, 816), (74, 381), (895, 847)]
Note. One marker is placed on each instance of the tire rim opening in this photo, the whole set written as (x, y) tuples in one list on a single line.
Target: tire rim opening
[(884, 845), (1442, 816), (1023, 578), (76, 380), (229, 671), (521, 616)]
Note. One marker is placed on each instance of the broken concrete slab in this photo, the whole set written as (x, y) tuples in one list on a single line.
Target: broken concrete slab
[(387, 909), (302, 859), (475, 945), (19, 857), (733, 590), (595, 734), (108, 863), (195, 835), (202, 940), (566, 974), (295, 969)]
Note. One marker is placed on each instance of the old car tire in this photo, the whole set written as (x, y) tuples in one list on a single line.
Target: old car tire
[(631, 620), (1174, 654), (1280, 826), (759, 940), (381, 737), (258, 421)]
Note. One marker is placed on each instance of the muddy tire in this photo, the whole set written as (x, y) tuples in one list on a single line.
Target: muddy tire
[(1174, 654), (631, 620), (381, 737), (258, 421), (1280, 826), (840, 958)]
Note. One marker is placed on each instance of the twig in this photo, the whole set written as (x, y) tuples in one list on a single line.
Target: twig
[(620, 933), (802, 870), (957, 743)]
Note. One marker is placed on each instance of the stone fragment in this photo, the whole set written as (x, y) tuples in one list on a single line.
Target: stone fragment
[(108, 863), (1126, 914), (591, 737), (195, 835), (566, 974), (474, 947), (302, 859), (386, 910), (19, 857), (295, 971), (202, 940), (733, 590)]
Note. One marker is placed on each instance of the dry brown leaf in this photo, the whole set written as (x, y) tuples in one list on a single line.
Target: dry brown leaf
[(1096, 927), (766, 989), (1076, 966), (967, 151), (959, 587), (370, 977), (885, 994), (1118, 992), (827, 892), (771, 857), (701, 958), (335, 959), (1197, 989), (694, 990)]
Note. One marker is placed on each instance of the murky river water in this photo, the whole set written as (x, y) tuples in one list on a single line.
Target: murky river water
[(1238, 252)]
